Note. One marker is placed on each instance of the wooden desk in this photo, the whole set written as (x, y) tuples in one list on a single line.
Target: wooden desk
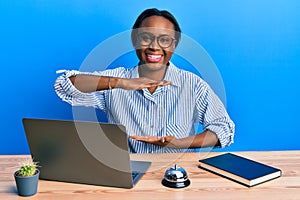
[(204, 185)]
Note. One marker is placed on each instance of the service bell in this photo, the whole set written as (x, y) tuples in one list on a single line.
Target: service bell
[(176, 177)]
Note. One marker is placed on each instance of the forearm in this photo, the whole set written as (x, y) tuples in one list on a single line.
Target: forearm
[(205, 139), (88, 83)]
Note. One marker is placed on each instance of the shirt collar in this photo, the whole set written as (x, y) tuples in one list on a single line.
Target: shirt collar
[(172, 75)]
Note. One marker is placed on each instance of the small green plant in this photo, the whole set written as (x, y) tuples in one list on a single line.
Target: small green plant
[(27, 168)]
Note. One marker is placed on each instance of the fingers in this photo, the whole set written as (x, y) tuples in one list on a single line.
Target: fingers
[(157, 140), (160, 83), (144, 138), (156, 84), (163, 83), (139, 83), (153, 83)]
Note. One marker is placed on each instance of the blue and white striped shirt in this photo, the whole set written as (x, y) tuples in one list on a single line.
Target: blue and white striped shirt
[(170, 110)]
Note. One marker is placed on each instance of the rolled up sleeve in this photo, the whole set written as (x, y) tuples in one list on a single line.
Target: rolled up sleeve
[(214, 117), (68, 92), (224, 132)]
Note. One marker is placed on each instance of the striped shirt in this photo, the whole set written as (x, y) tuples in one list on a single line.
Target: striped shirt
[(171, 110)]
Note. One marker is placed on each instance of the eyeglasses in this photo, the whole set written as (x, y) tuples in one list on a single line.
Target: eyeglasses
[(146, 39)]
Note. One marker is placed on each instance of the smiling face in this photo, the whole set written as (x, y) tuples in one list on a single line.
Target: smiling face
[(155, 43)]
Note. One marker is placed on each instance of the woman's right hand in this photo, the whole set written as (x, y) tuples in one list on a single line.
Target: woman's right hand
[(139, 83)]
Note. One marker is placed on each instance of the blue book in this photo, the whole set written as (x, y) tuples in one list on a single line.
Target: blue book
[(240, 169)]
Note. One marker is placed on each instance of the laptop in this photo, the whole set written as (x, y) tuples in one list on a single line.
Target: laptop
[(83, 152)]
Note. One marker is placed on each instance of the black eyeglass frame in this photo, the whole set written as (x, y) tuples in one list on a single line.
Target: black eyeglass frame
[(153, 38)]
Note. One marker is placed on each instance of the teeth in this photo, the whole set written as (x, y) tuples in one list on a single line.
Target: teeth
[(154, 56)]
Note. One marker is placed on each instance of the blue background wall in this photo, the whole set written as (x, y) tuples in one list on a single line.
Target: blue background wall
[(254, 43)]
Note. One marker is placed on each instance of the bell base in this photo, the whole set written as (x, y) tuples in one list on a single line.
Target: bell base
[(176, 184)]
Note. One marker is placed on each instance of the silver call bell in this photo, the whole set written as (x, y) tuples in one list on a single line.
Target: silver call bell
[(176, 177)]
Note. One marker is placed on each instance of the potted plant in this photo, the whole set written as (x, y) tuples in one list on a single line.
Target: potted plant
[(27, 177)]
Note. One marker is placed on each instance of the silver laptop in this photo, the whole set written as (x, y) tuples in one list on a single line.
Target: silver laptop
[(83, 152)]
